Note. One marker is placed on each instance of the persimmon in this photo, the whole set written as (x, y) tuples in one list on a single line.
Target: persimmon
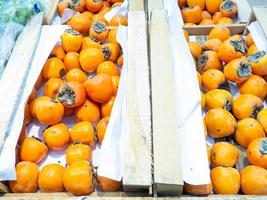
[(51, 178), (219, 98), (54, 68), (108, 185), (83, 132), (34, 104), (78, 178), (61, 6), (98, 31), (199, 190), (22, 135), (216, 16), (206, 15), (107, 67), (77, 152), (120, 60), (237, 70), (106, 108), (39, 81), (220, 123), (71, 94), (186, 35), (182, 3), (118, 20), (27, 115), (101, 129), (89, 111), (192, 14), (115, 84), (118, 4), (231, 49), (255, 85), (228, 8), (213, 79), (257, 152), (89, 43), (89, 14), (224, 21), (251, 50), (76, 75), (32, 150), (68, 111), (213, 6), (211, 45), (249, 40), (208, 60), (90, 58), (247, 130), (195, 48), (199, 79), (112, 35), (225, 180), (58, 51), (77, 5), (208, 152), (111, 51), (206, 22), (203, 100), (236, 37), (93, 5), (71, 40), (262, 118), (99, 17), (254, 180), (219, 32), (224, 154), (52, 87), (99, 88), (71, 61), (258, 61), (57, 136), (189, 24), (247, 105), (49, 112), (26, 178), (104, 10), (200, 3)]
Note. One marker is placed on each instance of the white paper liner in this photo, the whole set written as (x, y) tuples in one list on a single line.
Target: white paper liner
[(258, 36)]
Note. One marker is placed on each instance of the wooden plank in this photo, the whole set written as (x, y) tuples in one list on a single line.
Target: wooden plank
[(205, 29), (3, 188), (136, 5), (51, 12), (244, 10), (260, 13), (257, 2), (138, 160), (167, 166)]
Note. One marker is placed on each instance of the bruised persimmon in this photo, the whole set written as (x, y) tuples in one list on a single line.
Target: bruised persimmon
[(228, 8), (118, 20), (71, 40), (120, 60), (26, 178), (224, 154), (237, 70), (192, 14), (72, 94), (71, 61), (52, 87), (76, 75), (80, 23), (107, 67), (115, 84), (89, 111), (57, 136), (93, 5), (216, 16), (254, 180), (195, 48), (231, 49), (111, 51), (220, 123), (108, 185), (90, 58), (101, 129), (61, 6), (98, 31), (33, 150), (51, 178), (54, 68), (257, 152), (211, 45), (262, 118), (58, 51), (247, 130), (99, 88), (78, 178), (251, 50), (224, 21), (198, 190), (49, 112), (206, 15), (255, 85), (27, 115), (249, 40), (225, 180), (247, 105), (34, 104), (77, 152), (77, 5), (219, 98), (213, 79), (213, 6), (219, 32), (208, 60), (83, 132), (112, 35), (258, 62), (89, 43), (99, 17), (106, 108), (206, 22)]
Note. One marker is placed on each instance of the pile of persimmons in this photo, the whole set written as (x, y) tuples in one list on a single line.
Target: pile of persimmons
[(232, 73), (207, 12), (79, 79)]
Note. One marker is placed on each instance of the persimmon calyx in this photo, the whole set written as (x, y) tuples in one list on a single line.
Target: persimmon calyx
[(66, 95), (256, 57), (244, 70)]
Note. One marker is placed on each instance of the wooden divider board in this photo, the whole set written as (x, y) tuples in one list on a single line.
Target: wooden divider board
[(137, 157), (51, 12), (260, 12), (167, 165), (135, 5)]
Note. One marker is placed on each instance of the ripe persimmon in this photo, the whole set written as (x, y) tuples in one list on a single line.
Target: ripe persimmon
[(112, 35), (213, 79), (115, 84), (257, 152), (228, 8), (211, 45), (61, 6), (200, 3), (80, 22), (206, 22), (249, 40), (76, 75), (89, 14), (107, 67), (108, 185), (224, 21), (192, 14), (213, 6), (58, 51), (118, 20), (71, 61), (90, 58), (219, 32), (111, 51), (220, 123), (206, 15), (89, 111), (99, 17), (219, 98), (258, 62), (106, 108), (57, 136), (262, 118), (195, 48), (89, 43), (51, 178), (77, 152), (208, 60), (54, 68), (93, 5), (71, 40), (101, 129), (52, 87), (104, 9), (34, 104), (251, 50), (216, 16), (77, 5), (199, 79), (32, 150), (98, 31), (83, 132)]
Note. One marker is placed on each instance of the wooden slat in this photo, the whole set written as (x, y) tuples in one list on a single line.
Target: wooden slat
[(167, 166), (3, 188), (136, 5), (51, 12), (138, 160), (257, 2), (260, 13), (244, 10)]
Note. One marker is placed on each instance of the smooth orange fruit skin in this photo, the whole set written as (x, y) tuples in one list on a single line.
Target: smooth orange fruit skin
[(76, 152), (90, 58), (108, 185), (83, 132), (89, 111), (255, 155), (101, 129)]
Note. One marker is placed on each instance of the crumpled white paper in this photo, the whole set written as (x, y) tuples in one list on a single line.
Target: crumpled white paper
[(119, 10), (195, 167)]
